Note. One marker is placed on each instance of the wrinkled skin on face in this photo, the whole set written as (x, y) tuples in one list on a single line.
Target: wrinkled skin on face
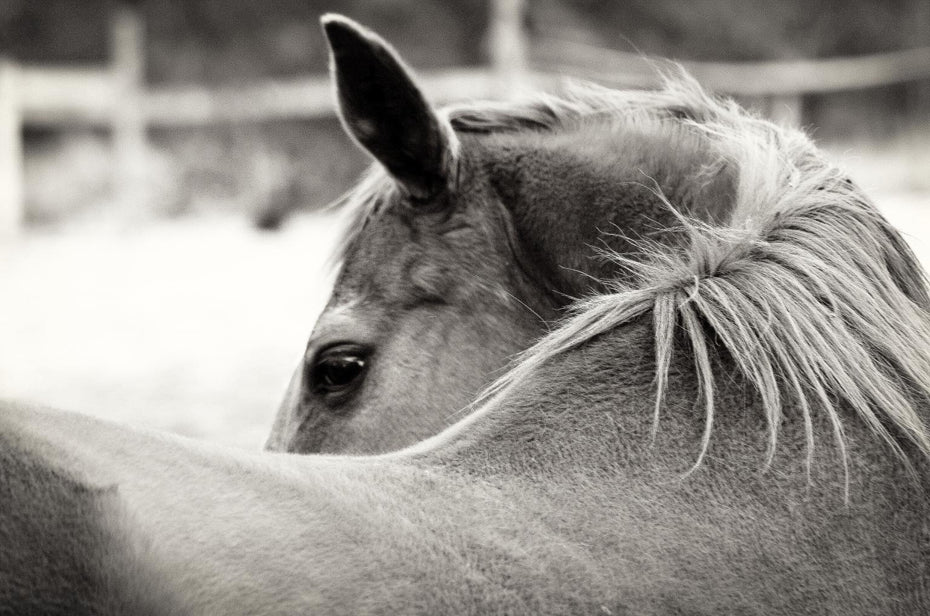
[(429, 304), (468, 243), (427, 308)]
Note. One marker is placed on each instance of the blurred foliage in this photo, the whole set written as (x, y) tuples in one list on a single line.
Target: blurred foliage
[(265, 170), (270, 169), (744, 29), (211, 40)]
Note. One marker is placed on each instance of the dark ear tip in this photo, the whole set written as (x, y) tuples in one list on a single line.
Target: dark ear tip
[(339, 28)]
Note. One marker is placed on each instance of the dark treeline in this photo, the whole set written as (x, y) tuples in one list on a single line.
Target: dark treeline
[(217, 40), (225, 41), (221, 40), (754, 29)]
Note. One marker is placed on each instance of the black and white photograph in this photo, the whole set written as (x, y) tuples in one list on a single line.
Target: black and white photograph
[(481, 307)]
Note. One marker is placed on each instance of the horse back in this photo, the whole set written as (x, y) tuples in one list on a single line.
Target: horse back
[(61, 551)]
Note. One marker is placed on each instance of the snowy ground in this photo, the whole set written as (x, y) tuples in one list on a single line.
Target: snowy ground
[(192, 325)]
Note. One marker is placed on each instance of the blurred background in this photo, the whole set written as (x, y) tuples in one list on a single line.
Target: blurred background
[(165, 164)]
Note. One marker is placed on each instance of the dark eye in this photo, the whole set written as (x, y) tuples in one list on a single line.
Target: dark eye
[(338, 369)]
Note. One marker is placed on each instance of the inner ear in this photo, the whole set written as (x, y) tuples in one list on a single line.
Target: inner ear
[(384, 110)]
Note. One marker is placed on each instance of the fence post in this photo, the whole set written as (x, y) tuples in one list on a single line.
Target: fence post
[(11, 151), (508, 47), (127, 43)]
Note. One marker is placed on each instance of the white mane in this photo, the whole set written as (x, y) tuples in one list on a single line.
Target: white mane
[(816, 298)]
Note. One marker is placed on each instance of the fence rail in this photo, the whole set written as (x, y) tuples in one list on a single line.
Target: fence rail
[(782, 78), (50, 97), (116, 96)]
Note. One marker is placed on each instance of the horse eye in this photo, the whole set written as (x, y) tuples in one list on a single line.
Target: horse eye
[(338, 369)]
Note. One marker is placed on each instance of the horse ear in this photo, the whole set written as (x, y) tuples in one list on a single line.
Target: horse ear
[(384, 110)]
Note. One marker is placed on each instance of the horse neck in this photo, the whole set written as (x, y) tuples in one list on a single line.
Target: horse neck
[(593, 407), (590, 407), (546, 515), (601, 186), (581, 431)]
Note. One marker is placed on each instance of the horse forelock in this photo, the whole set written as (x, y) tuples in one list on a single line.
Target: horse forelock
[(679, 100), (358, 206), (815, 297)]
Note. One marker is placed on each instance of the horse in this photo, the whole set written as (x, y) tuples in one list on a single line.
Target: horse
[(475, 229), (738, 425)]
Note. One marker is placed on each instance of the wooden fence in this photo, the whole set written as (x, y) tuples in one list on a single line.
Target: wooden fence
[(117, 98)]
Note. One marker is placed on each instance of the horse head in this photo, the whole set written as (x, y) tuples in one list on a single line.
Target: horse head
[(475, 228)]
